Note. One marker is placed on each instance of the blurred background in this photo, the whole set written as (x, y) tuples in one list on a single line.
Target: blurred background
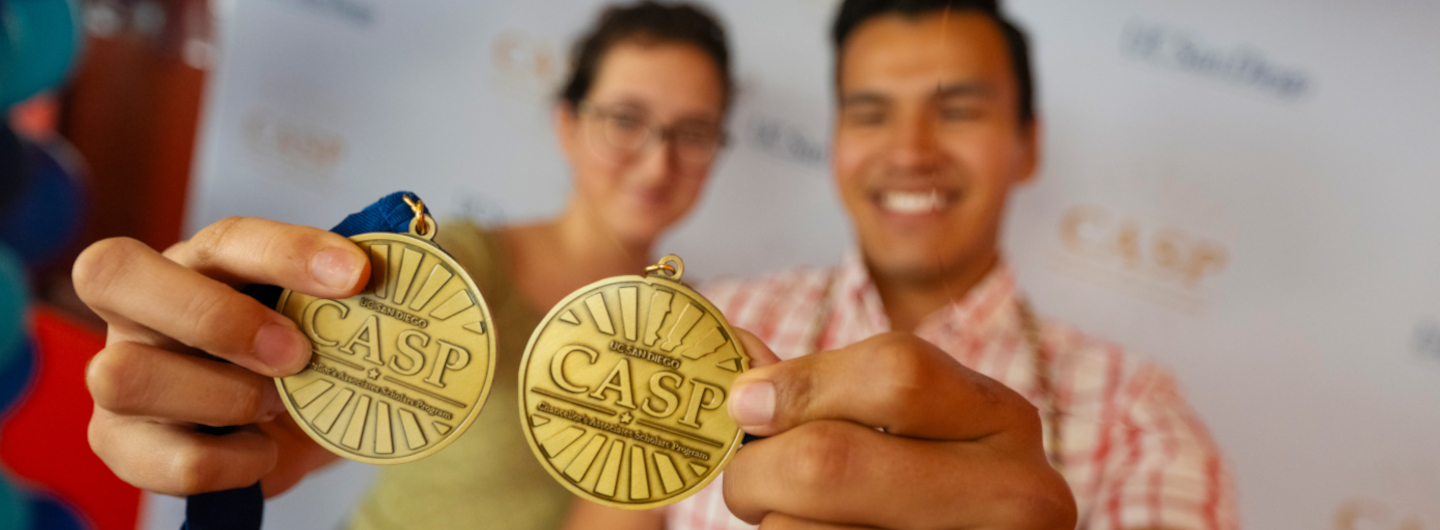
[(1244, 190)]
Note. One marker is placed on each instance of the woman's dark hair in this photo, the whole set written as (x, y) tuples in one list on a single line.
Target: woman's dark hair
[(646, 22), (854, 12)]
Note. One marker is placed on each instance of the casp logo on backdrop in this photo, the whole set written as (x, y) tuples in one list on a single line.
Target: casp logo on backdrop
[(1152, 260), (291, 146), (1370, 514), (524, 65)]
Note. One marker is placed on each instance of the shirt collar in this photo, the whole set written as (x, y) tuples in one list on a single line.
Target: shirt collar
[(985, 308)]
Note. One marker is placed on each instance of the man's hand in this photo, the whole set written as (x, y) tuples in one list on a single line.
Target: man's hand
[(957, 450), (170, 317)]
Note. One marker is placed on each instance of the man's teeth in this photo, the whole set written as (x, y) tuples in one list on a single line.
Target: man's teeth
[(912, 202)]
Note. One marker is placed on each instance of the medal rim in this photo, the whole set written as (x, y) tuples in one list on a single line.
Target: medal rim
[(460, 428), (524, 372)]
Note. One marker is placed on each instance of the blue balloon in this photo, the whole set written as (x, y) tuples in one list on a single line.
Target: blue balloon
[(14, 169), (39, 41), (14, 506), (15, 374), (48, 513), (14, 298), (47, 217)]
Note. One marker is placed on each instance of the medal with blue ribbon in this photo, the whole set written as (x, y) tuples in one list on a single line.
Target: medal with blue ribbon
[(397, 372)]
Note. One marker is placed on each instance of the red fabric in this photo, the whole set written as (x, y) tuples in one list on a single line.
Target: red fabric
[(45, 440)]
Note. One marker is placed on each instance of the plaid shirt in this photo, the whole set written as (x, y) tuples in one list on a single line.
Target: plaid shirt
[(1134, 453)]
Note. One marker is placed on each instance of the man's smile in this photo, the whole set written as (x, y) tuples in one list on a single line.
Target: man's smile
[(915, 201)]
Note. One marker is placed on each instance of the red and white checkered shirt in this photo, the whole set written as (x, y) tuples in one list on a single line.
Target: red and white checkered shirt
[(1134, 453)]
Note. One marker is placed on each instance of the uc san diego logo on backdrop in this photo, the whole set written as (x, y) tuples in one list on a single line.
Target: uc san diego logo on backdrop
[(1243, 65), (356, 13)]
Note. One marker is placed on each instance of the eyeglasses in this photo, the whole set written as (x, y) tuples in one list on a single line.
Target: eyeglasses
[(622, 133)]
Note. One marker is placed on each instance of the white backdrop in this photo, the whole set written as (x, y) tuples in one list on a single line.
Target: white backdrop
[(1242, 189)]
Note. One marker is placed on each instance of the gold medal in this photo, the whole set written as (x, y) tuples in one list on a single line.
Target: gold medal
[(402, 369), (623, 389)]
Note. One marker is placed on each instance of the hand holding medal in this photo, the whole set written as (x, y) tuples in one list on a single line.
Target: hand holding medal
[(185, 350), (185, 403)]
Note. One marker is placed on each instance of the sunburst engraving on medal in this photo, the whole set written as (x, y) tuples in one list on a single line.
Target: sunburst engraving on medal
[(623, 389), (401, 369)]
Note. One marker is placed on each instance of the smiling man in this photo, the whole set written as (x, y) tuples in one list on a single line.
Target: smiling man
[(937, 399)]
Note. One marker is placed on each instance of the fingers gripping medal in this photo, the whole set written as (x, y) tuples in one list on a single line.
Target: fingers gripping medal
[(401, 369), (623, 389)]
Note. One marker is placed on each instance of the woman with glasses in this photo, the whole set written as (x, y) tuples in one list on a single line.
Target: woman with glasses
[(640, 122)]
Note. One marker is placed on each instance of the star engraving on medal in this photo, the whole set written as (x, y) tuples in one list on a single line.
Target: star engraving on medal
[(626, 418), (374, 373)]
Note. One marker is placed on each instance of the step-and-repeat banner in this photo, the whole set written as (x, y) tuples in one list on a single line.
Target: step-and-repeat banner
[(1243, 189)]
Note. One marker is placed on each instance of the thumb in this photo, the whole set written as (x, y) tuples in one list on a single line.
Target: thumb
[(759, 353), (754, 400)]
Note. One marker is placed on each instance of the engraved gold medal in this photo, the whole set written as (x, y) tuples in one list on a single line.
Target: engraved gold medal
[(623, 390), (402, 369)]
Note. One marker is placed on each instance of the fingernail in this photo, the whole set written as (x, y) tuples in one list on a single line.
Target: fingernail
[(280, 346), (336, 268), (753, 404)]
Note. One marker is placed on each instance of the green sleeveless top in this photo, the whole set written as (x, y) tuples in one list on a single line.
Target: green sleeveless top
[(488, 478)]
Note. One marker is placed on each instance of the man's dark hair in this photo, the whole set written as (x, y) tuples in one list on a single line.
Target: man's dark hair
[(855, 12), (645, 22)]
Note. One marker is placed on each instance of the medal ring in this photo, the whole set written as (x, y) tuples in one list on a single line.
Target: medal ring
[(664, 267), (423, 225)]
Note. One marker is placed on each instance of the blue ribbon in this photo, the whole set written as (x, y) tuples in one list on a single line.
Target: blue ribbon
[(244, 508)]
